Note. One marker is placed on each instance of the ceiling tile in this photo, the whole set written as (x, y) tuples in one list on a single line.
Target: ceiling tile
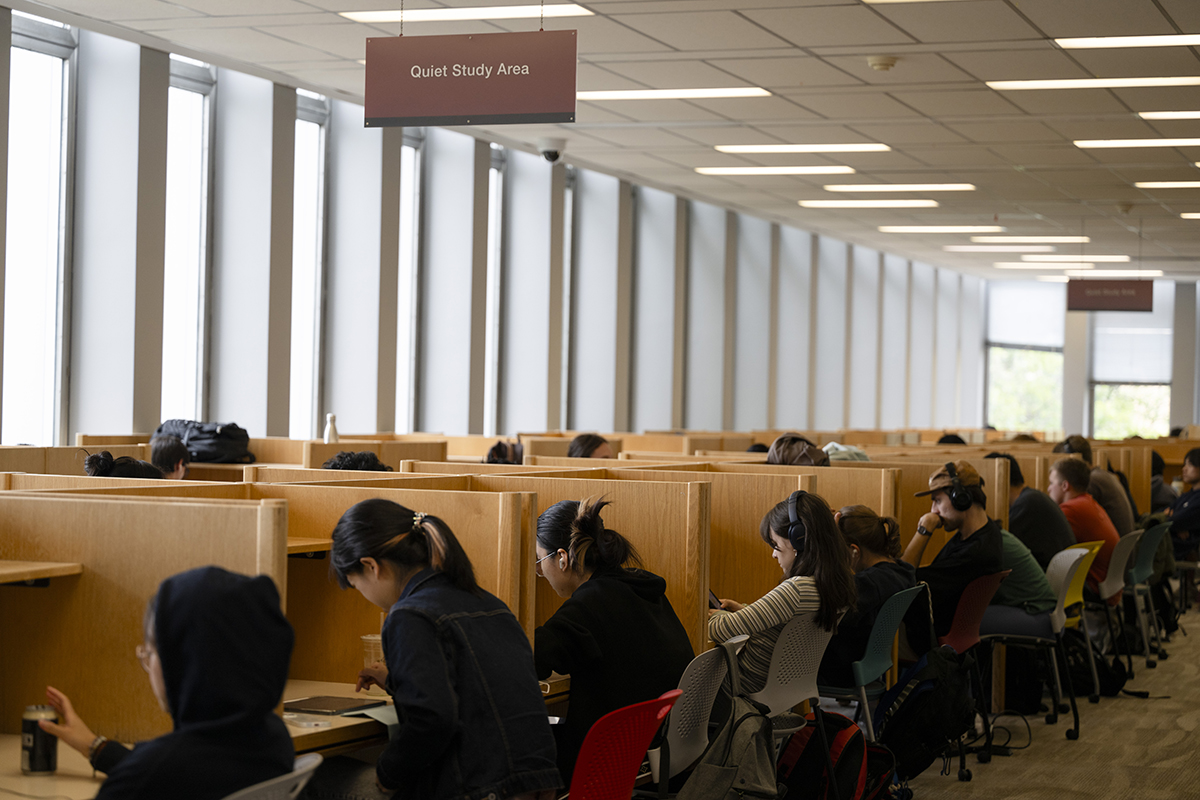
[(1145, 155), (1018, 65), (345, 40), (347, 80), (704, 30), (245, 7), (121, 10), (1135, 62), (639, 138), (785, 73), (594, 113), (915, 68), (1030, 154), (597, 35), (1186, 13), (960, 156), (855, 106), (1173, 98), (1129, 128), (1067, 101), (960, 103), (829, 26), (590, 77), (905, 133), (1097, 17), (245, 45), (975, 21), (1006, 131), (674, 74), (756, 109), (655, 110), (723, 134), (657, 6), (315, 18)]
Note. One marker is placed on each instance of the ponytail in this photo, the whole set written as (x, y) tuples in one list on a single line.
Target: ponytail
[(868, 531), (577, 528), (387, 531), (103, 465)]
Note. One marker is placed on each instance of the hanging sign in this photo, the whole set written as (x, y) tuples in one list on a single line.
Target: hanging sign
[(471, 79), (1090, 295)]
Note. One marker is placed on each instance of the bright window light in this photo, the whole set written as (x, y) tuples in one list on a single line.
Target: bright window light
[(1168, 184), (1101, 143), (869, 203), (1089, 258), (901, 187), (775, 170), (461, 14), (999, 248), (1042, 265), (1031, 239), (307, 264), (941, 229), (1094, 83), (852, 147), (1052, 278), (1103, 42), (1115, 273), (674, 94), (1169, 114)]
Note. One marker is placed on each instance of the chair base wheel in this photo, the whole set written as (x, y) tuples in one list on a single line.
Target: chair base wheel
[(983, 758), (1093, 698), (1072, 734), (1063, 708), (1151, 664), (1162, 655), (1052, 719), (964, 775)]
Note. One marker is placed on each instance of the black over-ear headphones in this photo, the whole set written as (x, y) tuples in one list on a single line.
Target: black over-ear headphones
[(797, 532), (960, 498)]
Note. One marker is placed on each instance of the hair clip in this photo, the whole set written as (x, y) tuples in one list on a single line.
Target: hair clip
[(418, 517)]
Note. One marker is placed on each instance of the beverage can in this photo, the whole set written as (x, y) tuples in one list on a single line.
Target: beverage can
[(39, 750)]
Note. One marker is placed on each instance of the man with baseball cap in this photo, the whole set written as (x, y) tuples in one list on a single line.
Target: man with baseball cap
[(975, 549)]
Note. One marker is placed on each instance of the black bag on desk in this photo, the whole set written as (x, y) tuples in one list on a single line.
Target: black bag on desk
[(211, 442)]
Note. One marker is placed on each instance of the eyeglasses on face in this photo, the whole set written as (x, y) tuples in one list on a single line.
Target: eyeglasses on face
[(537, 565)]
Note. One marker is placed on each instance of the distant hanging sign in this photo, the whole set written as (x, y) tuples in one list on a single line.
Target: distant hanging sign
[(471, 79), (1091, 295)]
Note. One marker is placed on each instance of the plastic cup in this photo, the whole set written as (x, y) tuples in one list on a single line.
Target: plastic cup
[(373, 654)]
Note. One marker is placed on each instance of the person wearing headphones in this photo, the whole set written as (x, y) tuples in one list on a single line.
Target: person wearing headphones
[(817, 577), (975, 549)]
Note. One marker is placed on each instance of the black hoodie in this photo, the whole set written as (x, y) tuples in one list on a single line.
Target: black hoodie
[(620, 641), (224, 645)]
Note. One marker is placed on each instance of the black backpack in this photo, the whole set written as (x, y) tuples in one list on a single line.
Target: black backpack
[(927, 711), (1112, 676), (212, 442)]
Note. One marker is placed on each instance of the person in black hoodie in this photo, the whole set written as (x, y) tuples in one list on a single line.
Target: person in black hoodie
[(616, 635), (217, 648)]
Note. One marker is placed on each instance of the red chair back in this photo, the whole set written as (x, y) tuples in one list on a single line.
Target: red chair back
[(615, 747), (964, 630)]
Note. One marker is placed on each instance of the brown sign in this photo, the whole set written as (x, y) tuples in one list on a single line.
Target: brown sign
[(471, 79), (1089, 295)]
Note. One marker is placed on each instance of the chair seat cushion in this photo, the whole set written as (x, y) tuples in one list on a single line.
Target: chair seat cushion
[(999, 621)]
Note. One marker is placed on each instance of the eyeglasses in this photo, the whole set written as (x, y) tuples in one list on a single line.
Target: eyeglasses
[(144, 652), (537, 565)]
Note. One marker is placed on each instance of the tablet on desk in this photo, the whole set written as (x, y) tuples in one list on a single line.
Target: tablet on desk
[(329, 705)]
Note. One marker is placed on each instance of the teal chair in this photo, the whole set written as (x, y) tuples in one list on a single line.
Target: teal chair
[(877, 660), (1138, 586)]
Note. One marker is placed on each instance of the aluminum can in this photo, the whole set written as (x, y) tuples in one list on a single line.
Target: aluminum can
[(39, 750)]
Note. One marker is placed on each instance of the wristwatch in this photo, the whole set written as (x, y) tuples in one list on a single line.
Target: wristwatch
[(921, 530)]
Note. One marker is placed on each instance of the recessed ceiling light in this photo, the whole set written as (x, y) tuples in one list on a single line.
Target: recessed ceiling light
[(1169, 114), (869, 203), (1094, 83), (675, 94), (1190, 215), (1031, 239), (901, 187), (1088, 257), (1168, 184), (1032, 265), (775, 170), (854, 147), (1052, 278), (1137, 143), (999, 248), (941, 229), (474, 13), (1115, 273), (1097, 42)]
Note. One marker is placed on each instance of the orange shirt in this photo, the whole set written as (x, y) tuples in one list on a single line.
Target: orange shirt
[(1090, 523)]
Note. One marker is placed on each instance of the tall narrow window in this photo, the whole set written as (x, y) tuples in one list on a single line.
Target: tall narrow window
[(410, 188), (185, 271), (1131, 369), (1025, 329), (307, 262), (491, 378), (34, 248)]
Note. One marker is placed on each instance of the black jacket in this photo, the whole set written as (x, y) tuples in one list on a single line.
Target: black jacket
[(874, 586), (958, 563), (225, 646), (620, 641)]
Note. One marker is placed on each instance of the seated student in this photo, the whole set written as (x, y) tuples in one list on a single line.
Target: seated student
[(1069, 488), (1103, 485), (874, 543), (616, 635), (362, 460), (170, 455), (958, 502), (758, 447), (1185, 512), (505, 453), (103, 465), (217, 647), (951, 438), (795, 450), (473, 722), (1033, 517), (815, 560), (1162, 494), (590, 445)]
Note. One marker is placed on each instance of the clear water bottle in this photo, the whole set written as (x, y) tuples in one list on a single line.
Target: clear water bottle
[(331, 434)]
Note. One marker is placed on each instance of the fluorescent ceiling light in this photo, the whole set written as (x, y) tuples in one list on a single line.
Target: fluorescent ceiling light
[(1137, 143), (1169, 114), (1031, 239), (858, 147), (1052, 278), (1190, 215), (941, 229), (675, 94), (1081, 257), (1033, 265), (881, 2), (1168, 184), (999, 248), (1094, 83), (472, 13), (1099, 42), (775, 170), (901, 187), (869, 203), (1116, 273)]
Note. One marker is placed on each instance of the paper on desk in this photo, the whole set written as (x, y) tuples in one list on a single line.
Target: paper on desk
[(384, 714)]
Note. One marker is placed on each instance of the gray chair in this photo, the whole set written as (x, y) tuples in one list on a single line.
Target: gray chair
[(1139, 587), (1114, 584), (285, 787)]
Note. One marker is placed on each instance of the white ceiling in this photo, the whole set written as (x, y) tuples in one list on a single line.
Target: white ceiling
[(943, 123)]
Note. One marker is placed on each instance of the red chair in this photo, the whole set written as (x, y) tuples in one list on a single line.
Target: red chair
[(615, 747)]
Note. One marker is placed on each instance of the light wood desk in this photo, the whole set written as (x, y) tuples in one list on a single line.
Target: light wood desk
[(73, 779), (30, 571)]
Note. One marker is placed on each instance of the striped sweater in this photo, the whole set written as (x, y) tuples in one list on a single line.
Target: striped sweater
[(763, 620)]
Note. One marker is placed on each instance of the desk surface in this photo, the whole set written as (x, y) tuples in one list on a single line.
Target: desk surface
[(73, 779), (21, 571)]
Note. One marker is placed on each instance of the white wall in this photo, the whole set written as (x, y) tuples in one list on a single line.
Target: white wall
[(863, 360), (704, 404), (945, 401), (971, 355), (753, 334), (921, 346), (894, 350), (833, 267), (652, 378)]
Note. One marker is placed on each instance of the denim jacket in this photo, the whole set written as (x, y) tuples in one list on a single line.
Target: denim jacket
[(473, 724)]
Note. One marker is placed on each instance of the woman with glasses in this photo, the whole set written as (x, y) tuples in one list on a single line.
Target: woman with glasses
[(616, 635), (217, 648)]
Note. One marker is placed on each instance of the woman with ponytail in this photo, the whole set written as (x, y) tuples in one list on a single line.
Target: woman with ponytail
[(874, 543), (457, 664), (616, 635)]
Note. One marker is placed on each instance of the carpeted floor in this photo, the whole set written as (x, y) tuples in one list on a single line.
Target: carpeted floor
[(1127, 748)]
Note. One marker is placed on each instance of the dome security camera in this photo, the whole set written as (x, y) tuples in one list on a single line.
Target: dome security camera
[(551, 148)]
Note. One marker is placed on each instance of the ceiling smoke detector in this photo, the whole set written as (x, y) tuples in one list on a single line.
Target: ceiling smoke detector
[(881, 63)]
